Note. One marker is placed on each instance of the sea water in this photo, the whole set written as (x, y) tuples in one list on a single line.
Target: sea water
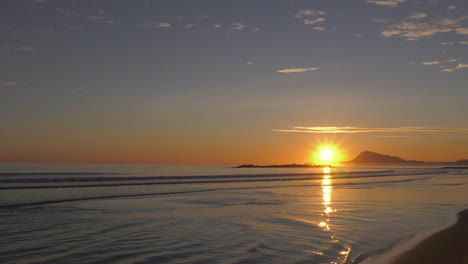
[(219, 214)]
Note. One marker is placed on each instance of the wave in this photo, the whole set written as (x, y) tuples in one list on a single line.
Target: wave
[(98, 180), (79, 199), (371, 184)]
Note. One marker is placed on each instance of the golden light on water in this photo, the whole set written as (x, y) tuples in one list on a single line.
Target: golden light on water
[(326, 199)]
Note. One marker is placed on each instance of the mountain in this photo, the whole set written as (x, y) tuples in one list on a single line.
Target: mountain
[(373, 158), (369, 158)]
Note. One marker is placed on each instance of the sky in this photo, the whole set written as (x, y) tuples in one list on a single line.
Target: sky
[(232, 82)]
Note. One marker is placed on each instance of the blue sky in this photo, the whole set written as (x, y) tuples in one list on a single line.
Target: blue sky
[(170, 81)]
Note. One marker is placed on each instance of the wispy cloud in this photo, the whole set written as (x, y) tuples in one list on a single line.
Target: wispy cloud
[(388, 3), (462, 31), (429, 63), (311, 17), (239, 26), (189, 26), (351, 129), (413, 30), (397, 136), (453, 69), (416, 30), (319, 28), (7, 83), (148, 23), (314, 21), (297, 70), (309, 13), (417, 15), (19, 48), (79, 89)]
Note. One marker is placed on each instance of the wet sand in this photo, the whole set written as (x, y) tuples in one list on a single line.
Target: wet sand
[(448, 246)]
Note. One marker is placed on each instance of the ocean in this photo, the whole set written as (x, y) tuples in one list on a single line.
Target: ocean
[(219, 214)]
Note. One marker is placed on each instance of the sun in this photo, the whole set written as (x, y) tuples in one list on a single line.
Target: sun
[(327, 154)]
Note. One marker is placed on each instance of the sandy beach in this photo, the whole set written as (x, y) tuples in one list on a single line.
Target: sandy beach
[(449, 246)]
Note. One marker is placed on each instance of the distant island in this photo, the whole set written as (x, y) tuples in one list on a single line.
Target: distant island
[(284, 166), (372, 158), (369, 158)]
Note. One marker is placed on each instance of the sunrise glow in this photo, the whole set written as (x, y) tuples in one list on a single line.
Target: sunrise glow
[(327, 154)]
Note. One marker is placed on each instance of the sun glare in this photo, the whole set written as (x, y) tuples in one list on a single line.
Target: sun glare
[(327, 154)]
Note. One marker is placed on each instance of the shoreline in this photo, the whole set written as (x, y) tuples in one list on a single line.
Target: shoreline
[(449, 246)]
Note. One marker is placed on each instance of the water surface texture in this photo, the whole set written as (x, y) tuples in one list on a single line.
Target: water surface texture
[(218, 214)]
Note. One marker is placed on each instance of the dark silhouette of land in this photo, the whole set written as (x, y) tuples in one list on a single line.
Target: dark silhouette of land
[(284, 166), (370, 158)]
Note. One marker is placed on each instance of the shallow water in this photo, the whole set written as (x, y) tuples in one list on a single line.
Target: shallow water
[(219, 214)]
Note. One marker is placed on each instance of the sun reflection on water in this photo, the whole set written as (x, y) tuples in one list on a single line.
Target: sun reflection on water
[(327, 189), (326, 195)]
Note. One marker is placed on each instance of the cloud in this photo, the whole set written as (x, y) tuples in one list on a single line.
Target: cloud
[(79, 89), (451, 8), (416, 30), (311, 17), (352, 130), (445, 43), (309, 13), (417, 15), (443, 69), (413, 30), (217, 25), (319, 28), (430, 63), (148, 23), (7, 83), (397, 136), (188, 26), (297, 70), (20, 48), (463, 42), (239, 26), (462, 31), (314, 21), (388, 3), (453, 69)]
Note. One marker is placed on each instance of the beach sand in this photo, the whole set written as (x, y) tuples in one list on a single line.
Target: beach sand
[(448, 246)]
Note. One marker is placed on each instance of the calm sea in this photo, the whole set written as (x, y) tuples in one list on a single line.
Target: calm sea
[(219, 214)]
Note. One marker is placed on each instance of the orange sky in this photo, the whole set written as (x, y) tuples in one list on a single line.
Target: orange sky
[(224, 82)]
